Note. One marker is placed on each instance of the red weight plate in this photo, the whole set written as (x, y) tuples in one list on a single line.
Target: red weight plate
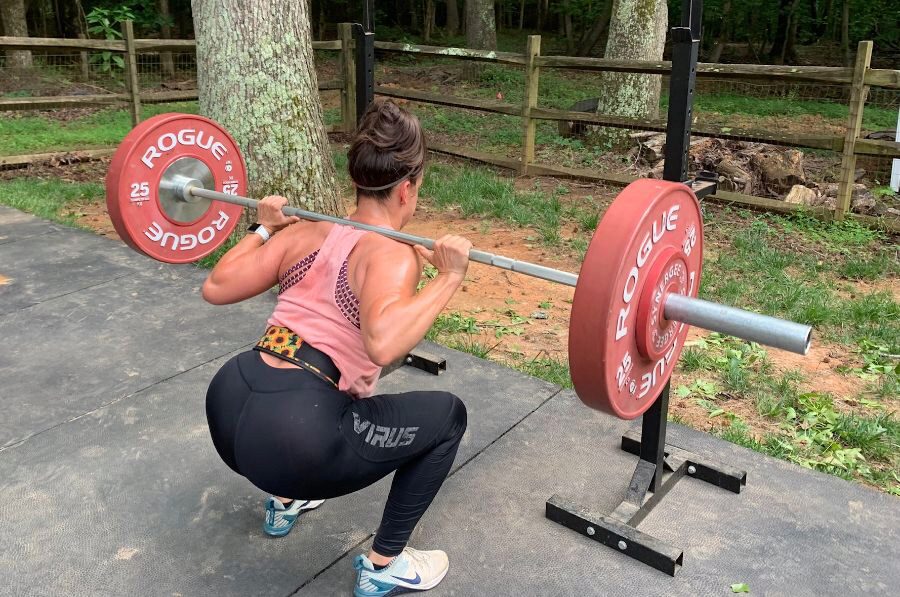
[(133, 186), (649, 219)]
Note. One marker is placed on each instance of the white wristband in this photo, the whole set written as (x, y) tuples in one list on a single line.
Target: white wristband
[(262, 232)]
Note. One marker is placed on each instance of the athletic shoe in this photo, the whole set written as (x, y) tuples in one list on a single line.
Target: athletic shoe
[(280, 520), (412, 570)]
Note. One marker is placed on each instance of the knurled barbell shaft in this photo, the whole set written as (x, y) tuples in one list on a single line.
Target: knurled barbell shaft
[(513, 265), (770, 331)]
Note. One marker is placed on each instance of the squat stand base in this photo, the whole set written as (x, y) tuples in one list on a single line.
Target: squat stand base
[(619, 529)]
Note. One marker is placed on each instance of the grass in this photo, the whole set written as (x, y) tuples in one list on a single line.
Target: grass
[(105, 128), (811, 430), (762, 269), (49, 199), (479, 192)]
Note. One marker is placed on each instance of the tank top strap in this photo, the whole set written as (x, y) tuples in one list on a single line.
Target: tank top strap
[(338, 244)]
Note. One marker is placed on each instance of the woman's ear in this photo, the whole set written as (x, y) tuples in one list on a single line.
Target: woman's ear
[(403, 191)]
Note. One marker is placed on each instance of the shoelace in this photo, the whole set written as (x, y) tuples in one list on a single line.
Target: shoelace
[(416, 555)]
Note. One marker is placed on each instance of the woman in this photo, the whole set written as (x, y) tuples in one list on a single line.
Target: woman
[(296, 415)]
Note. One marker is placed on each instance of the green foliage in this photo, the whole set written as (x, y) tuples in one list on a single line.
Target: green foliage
[(452, 323), (106, 22), (812, 431)]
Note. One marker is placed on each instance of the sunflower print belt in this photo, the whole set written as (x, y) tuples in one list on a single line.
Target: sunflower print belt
[(288, 346)]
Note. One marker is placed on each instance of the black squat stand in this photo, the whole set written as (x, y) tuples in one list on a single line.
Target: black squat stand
[(364, 36), (661, 466)]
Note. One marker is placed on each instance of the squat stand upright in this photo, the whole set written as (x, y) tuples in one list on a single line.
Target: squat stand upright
[(661, 466)]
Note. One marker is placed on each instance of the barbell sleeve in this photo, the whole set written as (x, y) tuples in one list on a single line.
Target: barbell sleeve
[(714, 317)]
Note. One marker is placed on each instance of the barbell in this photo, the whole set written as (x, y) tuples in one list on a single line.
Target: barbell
[(173, 193)]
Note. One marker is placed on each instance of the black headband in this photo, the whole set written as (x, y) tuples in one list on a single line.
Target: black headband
[(383, 187)]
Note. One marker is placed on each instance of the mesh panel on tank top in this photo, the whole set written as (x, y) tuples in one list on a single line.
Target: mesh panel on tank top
[(297, 272), (344, 296)]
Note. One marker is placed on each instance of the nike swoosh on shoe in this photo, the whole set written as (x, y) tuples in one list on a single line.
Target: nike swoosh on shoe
[(412, 581)]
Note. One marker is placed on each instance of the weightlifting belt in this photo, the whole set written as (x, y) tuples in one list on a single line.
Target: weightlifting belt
[(288, 346)]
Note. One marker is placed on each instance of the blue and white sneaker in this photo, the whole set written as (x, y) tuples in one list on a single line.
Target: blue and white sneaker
[(280, 520), (412, 570)]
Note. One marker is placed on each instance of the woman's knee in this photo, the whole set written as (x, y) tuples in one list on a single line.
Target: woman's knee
[(457, 415)]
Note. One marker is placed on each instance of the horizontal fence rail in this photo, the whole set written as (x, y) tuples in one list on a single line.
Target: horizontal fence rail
[(142, 45), (461, 53), (825, 74)]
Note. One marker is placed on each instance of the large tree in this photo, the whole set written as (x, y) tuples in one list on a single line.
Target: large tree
[(637, 31), (481, 30), (256, 74), (12, 15)]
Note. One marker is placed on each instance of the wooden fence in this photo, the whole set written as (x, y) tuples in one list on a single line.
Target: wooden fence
[(129, 47), (860, 77)]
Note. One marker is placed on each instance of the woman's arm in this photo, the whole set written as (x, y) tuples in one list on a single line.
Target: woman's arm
[(393, 318), (251, 266)]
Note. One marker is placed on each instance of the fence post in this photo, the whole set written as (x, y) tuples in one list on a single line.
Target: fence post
[(85, 65), (131, 75), (348, 73), (858, 93), (532, 73)]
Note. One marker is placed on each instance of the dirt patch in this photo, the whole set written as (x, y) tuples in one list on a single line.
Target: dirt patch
[(518, 316), (69, 167)]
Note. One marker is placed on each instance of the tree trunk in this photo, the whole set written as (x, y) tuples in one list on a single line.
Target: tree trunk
[(779, 53), (165, 58), (414, 15), (543, 12), (452, 17), (429, 19), (845, 34), (521, 14), (256, 76), (567, 28), (637, 32), (481, 32), (12, 14), (592, 36), (716, 54), (790, 54)]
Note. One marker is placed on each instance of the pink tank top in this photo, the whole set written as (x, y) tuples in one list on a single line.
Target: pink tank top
[(317, 304)]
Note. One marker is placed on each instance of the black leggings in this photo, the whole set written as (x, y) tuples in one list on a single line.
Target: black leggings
[(294, 435)]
